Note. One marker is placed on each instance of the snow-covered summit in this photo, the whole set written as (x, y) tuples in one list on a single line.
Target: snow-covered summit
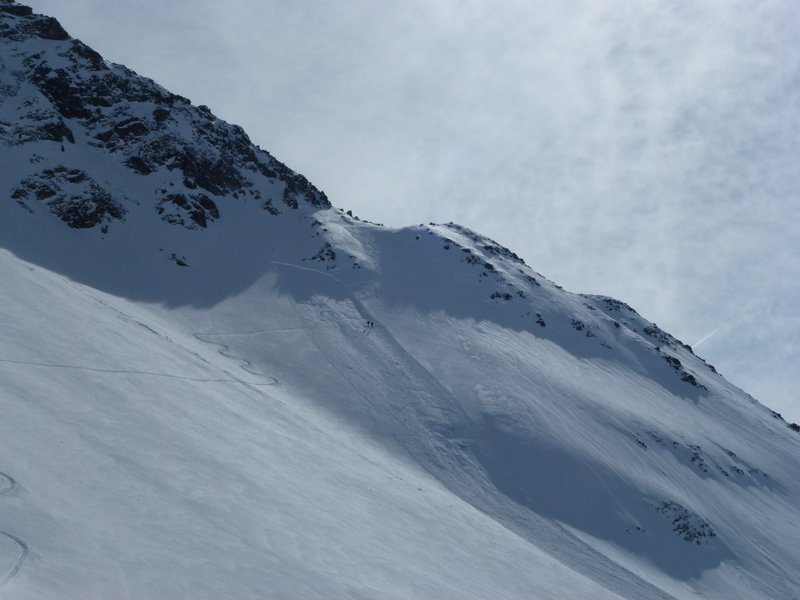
[(214, 383)]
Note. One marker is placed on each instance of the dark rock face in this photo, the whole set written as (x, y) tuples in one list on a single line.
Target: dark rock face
[(501, 296), (49, 29), (138, 164), (72, 195), (40, 125), (489, 246), (56, 132), (16, 9), (191, 212), (299, 188), (326, 254), (686, 524), (55, 85)]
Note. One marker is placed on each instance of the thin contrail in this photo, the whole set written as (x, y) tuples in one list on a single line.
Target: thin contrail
[(704, 338)]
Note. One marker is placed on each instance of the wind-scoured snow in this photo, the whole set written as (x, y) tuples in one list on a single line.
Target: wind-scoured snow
[(215, 384)]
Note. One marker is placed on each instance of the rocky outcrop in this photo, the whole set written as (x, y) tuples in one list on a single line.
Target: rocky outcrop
[(71, 195)]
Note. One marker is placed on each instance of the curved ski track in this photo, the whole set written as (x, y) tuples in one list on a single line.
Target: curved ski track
[(11, 484), (244, 364)]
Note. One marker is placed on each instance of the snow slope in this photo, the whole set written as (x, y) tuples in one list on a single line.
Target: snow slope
[(195, 404)]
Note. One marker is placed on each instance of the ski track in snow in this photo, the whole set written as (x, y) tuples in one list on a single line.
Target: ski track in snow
[(127, 372), (244, 364), (10, 486), (10, 482), (307, 269)]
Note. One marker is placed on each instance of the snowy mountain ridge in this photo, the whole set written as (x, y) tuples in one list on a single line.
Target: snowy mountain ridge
[(77, 94), (214, 383)]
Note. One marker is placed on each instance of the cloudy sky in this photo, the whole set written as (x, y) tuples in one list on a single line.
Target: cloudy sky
[(640, 149)]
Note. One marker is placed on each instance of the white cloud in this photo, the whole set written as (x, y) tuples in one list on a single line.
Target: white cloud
[(646, 150)]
